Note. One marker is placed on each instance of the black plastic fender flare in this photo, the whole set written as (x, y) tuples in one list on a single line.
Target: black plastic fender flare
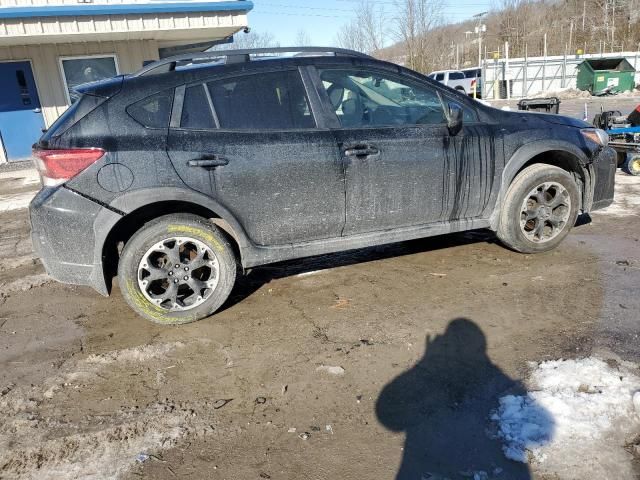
[(136, 199), (528, 151)]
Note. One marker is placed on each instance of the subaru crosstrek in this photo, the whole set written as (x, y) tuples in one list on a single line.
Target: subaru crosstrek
[(199, 166)]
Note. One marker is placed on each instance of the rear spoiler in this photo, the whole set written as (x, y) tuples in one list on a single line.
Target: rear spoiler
[(102, 88)]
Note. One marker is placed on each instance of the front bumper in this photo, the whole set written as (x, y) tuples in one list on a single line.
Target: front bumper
[(63, 235), (603, 174)]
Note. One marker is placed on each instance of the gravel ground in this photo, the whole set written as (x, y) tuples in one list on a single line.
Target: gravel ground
[(379, 363)]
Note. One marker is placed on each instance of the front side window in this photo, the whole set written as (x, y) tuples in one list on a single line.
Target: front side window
[(362, 98), (440, 77), (81, 70), (274, 101)]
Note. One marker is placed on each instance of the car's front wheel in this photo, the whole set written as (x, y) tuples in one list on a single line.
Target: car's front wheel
[(177, 269), (632, 165), (540, 208)]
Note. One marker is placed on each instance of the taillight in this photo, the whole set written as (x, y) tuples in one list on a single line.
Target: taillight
[(58, 166)]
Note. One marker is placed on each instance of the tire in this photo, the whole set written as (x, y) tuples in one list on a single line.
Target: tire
[(205, 273), (632, 165), (551, 209), (461, 90)]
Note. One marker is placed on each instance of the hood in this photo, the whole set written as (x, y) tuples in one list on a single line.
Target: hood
[(537, 118), (562, 120)]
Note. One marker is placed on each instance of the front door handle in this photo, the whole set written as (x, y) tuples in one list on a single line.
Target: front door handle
[(209, 161), (361, 151)]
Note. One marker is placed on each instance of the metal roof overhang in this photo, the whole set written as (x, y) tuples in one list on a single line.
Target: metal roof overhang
[(166, 22)]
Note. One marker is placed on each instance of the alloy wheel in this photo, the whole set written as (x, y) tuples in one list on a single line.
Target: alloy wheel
[(545, 212), (178, 273)]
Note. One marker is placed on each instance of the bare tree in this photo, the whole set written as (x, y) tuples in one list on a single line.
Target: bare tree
[(252, 39), (302, 38), (366, 32), (414, 22)]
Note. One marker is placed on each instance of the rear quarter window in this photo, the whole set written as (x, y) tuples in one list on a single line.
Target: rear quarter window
[(456, 76), (76, 112), (153, 111)]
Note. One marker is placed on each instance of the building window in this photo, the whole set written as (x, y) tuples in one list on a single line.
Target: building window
[(79, 70)]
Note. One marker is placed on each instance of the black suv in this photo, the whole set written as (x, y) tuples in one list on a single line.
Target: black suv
[(173, 176)]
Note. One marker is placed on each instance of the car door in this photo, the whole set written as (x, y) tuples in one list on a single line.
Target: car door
[(251, 142), (402, 165)]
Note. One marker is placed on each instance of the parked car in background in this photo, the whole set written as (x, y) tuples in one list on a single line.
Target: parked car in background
[(455, 79), (180, 176), (475, 74)]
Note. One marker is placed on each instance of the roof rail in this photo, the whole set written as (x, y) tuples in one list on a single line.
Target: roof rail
[(238, 56)]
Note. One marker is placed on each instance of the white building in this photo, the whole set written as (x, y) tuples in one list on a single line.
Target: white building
[(49, 46)]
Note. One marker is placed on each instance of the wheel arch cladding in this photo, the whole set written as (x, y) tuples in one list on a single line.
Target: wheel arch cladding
[(559, 154), (138, 212)]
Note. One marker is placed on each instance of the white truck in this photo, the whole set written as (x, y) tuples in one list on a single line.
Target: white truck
[(455, 79)]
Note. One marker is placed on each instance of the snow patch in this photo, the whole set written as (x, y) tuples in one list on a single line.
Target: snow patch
[(626, 201), (575, 421), (331, 370), (142, 353), (31, 174), (37, 443), (16, 262), (15, 201), (24, 283), (562, 93)]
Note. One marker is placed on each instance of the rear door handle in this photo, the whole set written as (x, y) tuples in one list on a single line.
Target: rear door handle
[(209, 161), (361, 151)]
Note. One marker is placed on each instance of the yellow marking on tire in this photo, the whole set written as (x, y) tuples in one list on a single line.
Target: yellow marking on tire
[(197, 231), (149, 308)]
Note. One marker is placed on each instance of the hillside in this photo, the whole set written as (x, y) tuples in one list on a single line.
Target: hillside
[(591, 25)]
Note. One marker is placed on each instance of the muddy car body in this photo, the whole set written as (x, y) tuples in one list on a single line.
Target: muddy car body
[(258, 160)]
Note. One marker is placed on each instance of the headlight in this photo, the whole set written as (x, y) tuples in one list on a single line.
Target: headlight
[(596, 135)]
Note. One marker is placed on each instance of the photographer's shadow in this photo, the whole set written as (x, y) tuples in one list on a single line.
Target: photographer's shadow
[(443, 405)]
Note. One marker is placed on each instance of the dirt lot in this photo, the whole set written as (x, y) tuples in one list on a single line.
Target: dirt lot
[(377, 363)]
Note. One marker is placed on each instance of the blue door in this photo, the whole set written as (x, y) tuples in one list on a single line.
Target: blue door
[(21, 120)]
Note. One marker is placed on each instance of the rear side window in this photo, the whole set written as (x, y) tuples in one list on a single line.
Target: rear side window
[(266, 101), (456, 76), (472, 73), (153, 111), (196, 110)]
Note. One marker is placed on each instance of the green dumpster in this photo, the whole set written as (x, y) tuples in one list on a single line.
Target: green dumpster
[(596, 75)]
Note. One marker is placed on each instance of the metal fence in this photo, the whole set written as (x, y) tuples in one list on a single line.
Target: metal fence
[(523, 77)]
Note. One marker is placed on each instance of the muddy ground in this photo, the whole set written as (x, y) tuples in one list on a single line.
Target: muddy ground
[(344, 366)]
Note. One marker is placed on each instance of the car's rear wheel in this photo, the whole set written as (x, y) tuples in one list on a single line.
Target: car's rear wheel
[(539, 209), (177, 269)]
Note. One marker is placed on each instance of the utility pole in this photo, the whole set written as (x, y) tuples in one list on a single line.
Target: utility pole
[(480, 29), (613, 25), (570, 35)]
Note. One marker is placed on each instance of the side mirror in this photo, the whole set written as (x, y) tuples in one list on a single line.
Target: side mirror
[(454, 118)]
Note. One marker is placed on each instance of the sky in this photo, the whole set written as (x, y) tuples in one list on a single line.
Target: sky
[(322, 19)]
